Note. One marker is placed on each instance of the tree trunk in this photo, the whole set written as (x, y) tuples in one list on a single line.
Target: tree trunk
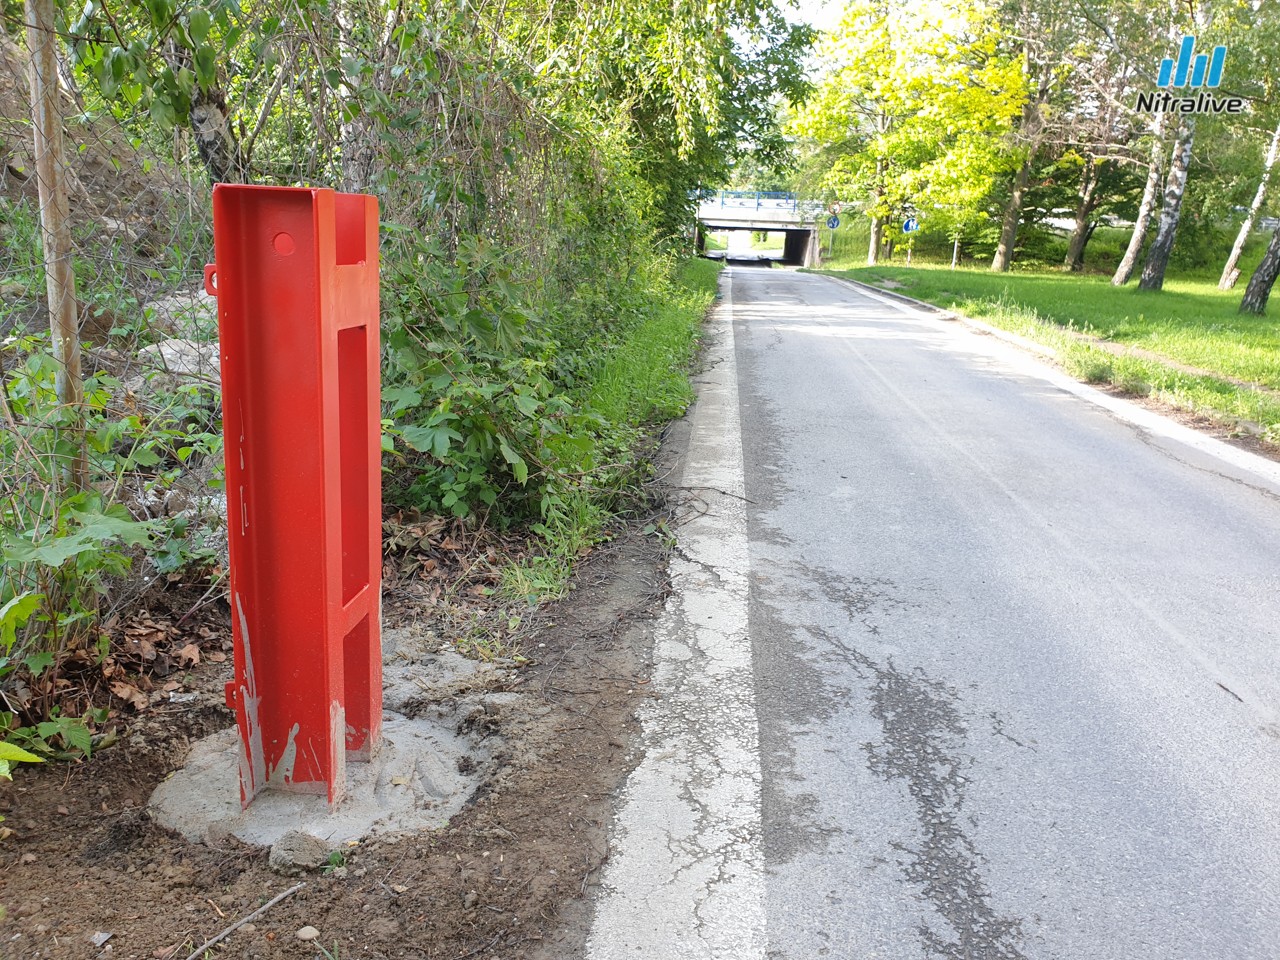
[(1158, 256), (1077, 264), (955, 253), (1231, 271), (1155, 172), (59, 273), (211, 126), (877, 200), (1083, 229), (1012, 217), (1031, 132), (1263, 279), (361, 165), (214, 137)]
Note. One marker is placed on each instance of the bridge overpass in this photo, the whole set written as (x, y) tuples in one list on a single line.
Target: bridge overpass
[(731, 210)]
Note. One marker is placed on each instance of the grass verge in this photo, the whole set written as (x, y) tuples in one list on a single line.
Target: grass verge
[(1189, 323), (642, 381)]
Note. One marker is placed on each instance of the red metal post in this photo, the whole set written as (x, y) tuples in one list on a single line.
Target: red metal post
[(297, 285)]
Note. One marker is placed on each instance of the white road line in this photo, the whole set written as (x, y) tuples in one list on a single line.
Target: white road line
[(1147, 420), (685, 877)]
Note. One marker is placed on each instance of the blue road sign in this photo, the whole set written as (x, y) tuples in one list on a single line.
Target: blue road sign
[(911, 225), (833, 222)]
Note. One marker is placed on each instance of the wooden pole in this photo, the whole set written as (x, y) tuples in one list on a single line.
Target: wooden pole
[(60, 280)]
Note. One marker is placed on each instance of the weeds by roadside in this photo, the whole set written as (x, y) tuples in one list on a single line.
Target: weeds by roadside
[(642, 380)]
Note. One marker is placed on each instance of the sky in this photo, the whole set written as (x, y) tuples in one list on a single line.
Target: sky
[(823, 14)]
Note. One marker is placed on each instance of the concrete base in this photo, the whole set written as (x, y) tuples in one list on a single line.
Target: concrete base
[(413, 783)]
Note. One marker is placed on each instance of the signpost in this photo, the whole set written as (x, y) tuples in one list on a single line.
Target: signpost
[(910, 226), (297, 285)]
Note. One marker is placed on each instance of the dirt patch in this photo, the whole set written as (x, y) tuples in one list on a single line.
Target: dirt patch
[(499, 881)]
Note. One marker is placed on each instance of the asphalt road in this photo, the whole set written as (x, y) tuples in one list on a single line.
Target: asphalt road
[(963, 661)]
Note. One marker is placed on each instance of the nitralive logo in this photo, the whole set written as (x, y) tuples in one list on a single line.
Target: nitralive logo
[(1191, 70)]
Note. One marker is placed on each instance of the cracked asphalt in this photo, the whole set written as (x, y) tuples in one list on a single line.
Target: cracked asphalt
[(963, 660)]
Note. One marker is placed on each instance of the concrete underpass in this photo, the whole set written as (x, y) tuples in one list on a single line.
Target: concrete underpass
[(740, 213), (799, 245)]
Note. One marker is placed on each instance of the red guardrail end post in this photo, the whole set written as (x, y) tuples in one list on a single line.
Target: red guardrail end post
[(296, 277)]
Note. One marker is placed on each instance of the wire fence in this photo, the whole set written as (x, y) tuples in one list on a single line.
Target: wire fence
[(139, 231)]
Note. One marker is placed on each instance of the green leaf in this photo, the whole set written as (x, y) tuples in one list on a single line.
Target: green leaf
[(114, 523), (401, 398), (15, 614), (96, 529), (162, 113), (144, 457), (433, 440), (16, 754), (508, 454), (198, 26), (527, 404), (206, 68), (38, 663), (160, 12), (418, 438), (77, 736)]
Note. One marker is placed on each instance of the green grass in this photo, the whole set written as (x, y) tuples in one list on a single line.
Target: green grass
[(1190, 322), (773, 240), (644, 380)]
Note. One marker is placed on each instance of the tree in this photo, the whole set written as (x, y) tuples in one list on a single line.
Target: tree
[(1091, 134), (55, 220), (911, 112), (1042, 33), (1146, 207), (956, 188), (1231, 270), (1175, 187), (1030, 132), (1263, 279), (1199, 21), (165, 60), (855, 108)]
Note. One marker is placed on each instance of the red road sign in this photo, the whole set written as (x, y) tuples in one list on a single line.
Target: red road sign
[(297, 285)]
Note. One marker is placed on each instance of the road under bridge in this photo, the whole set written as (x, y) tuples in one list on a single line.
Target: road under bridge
[(736, 210)]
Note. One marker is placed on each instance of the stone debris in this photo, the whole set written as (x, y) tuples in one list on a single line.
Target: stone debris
[(296, 852), (190, 314)]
